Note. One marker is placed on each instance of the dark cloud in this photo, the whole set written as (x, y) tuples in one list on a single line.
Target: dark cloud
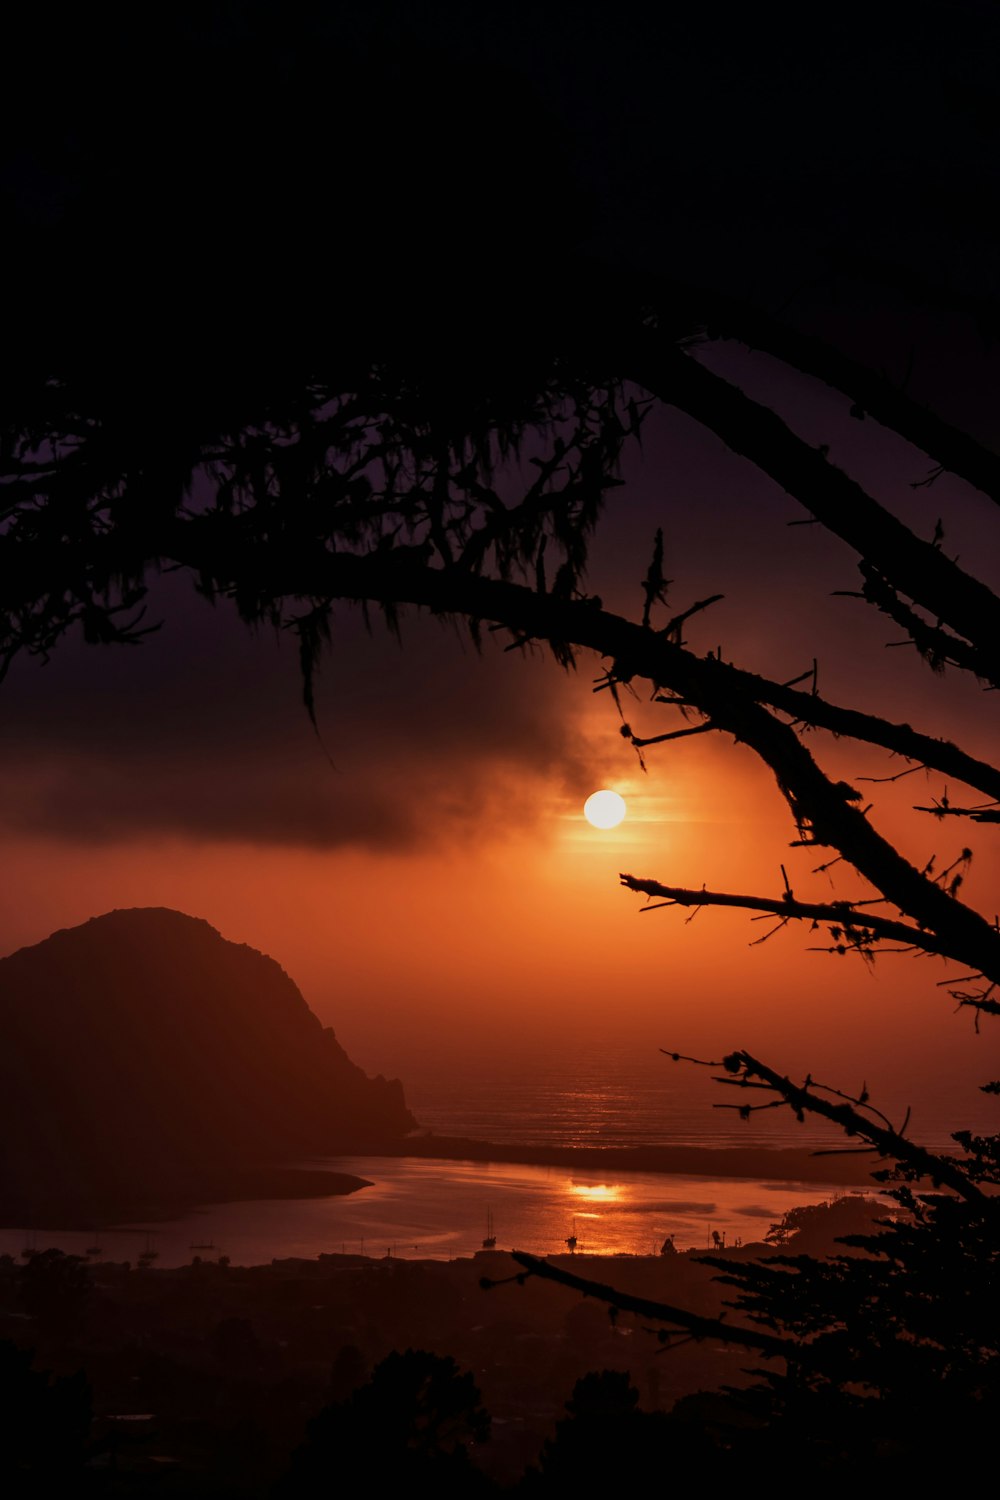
[(201, 732)]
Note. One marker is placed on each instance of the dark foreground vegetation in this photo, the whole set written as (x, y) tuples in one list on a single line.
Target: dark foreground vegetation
[(287, 1379)]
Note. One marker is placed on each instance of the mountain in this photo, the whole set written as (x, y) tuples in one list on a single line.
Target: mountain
[(142, 1053)]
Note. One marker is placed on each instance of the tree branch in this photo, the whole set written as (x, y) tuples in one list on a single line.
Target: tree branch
[(923, 572), (938, 647), (664, 1312), (839, 913), (939, 1170), (901, 739), (871, 394), (943, 809)]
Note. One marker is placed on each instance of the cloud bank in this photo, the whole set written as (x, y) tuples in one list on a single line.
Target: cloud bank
[(200, 733)]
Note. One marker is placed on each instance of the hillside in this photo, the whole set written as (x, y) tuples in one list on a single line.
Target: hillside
[(143, 1055)]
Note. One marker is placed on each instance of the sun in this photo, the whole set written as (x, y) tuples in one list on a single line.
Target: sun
[(604, 809)]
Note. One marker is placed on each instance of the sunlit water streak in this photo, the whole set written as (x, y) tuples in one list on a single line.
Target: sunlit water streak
[(437, 1210)]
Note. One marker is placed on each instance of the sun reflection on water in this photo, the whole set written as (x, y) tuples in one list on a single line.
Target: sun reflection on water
[(597, 1192)]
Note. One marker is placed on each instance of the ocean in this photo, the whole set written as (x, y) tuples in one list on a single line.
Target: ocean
[(588, 1092), (581, 1094)]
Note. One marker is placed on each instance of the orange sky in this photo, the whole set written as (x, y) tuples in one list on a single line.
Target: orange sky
[(437, 887)]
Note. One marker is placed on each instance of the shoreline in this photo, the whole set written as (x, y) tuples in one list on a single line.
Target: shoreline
[(114, 1208), (771, 1164)]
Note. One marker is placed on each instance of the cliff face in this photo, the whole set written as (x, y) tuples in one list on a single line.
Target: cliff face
[(143, 1041)]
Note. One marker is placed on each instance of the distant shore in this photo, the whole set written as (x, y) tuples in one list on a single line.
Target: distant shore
[(782, 1164), (87, 1206)]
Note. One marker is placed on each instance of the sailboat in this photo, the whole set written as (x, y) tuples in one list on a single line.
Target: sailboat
[(490, 1242), (148, 1255), (572, 1240)]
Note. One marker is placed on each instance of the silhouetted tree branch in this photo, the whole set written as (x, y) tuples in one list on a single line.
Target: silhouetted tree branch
[(856, 1118), (698, 1327), (942, 809), (884, 544), (938, 647), (851, 928), (901, 739), (870, 393)]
